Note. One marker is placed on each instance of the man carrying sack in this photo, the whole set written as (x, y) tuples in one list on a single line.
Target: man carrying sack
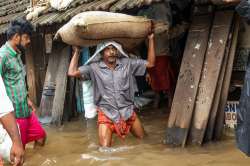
[(112, 73)]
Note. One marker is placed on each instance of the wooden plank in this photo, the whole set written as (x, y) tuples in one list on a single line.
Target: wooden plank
[(47, 98), (42, 63), (183, 103), (61, 86), (31, 76), (33, 3), (69, 105), (226, 84), (79, 96), (211, 69), (39, 61), (215, 105)]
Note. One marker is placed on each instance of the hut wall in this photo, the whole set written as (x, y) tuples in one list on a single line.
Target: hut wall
[(40, 61)]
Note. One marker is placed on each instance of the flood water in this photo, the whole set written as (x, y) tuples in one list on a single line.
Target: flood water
[(68, 146)]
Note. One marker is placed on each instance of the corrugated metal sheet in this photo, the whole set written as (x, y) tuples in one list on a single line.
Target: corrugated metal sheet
[(12, 6), (11, 9)]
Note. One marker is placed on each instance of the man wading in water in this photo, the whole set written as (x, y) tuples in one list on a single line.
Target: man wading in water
[(112, 73), (13, 74)]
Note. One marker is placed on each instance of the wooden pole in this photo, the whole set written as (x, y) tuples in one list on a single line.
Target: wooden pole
[(70, 102), (210, 74), (226, 84), (49, 86), (31, 76), (61, 86), (215, 105), (188, 80), (33, 2)]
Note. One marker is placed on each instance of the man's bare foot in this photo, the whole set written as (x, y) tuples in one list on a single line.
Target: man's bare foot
[(39, 143)]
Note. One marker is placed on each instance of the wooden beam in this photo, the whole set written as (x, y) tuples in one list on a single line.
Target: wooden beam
[(40, 62), (226, 84), (50, 83), (31, 76), (188, 80), (211, 69), (70, 102), (78, 96), (33, 2), (215, 105), (61, 86)]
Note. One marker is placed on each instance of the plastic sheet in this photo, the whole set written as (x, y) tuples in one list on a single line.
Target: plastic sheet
[(5, 144), (243, 116), (60, 4)]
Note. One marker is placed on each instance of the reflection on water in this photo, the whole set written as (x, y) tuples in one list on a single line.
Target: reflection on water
[(91, 157), (68, 146)]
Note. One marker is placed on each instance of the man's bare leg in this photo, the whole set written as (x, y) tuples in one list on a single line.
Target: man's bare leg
[(40, 142), (105, 135), (137, 129)]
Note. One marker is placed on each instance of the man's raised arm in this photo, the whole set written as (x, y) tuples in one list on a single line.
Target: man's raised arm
[(73, 66), (151, 52)]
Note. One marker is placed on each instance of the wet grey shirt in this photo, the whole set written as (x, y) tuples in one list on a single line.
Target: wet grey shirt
[(114, 89)]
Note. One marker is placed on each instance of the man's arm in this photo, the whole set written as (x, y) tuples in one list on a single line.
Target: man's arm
[(2, 62), (16, 153), (73, 66), (138, 66), (31, 105), (151, 52)]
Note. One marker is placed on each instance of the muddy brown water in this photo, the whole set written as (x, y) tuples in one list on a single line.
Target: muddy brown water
[(68, 146)]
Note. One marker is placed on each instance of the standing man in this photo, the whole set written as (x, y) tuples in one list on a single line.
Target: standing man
[(162, 77), (112, 73), (10, 146), (13, 74)]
